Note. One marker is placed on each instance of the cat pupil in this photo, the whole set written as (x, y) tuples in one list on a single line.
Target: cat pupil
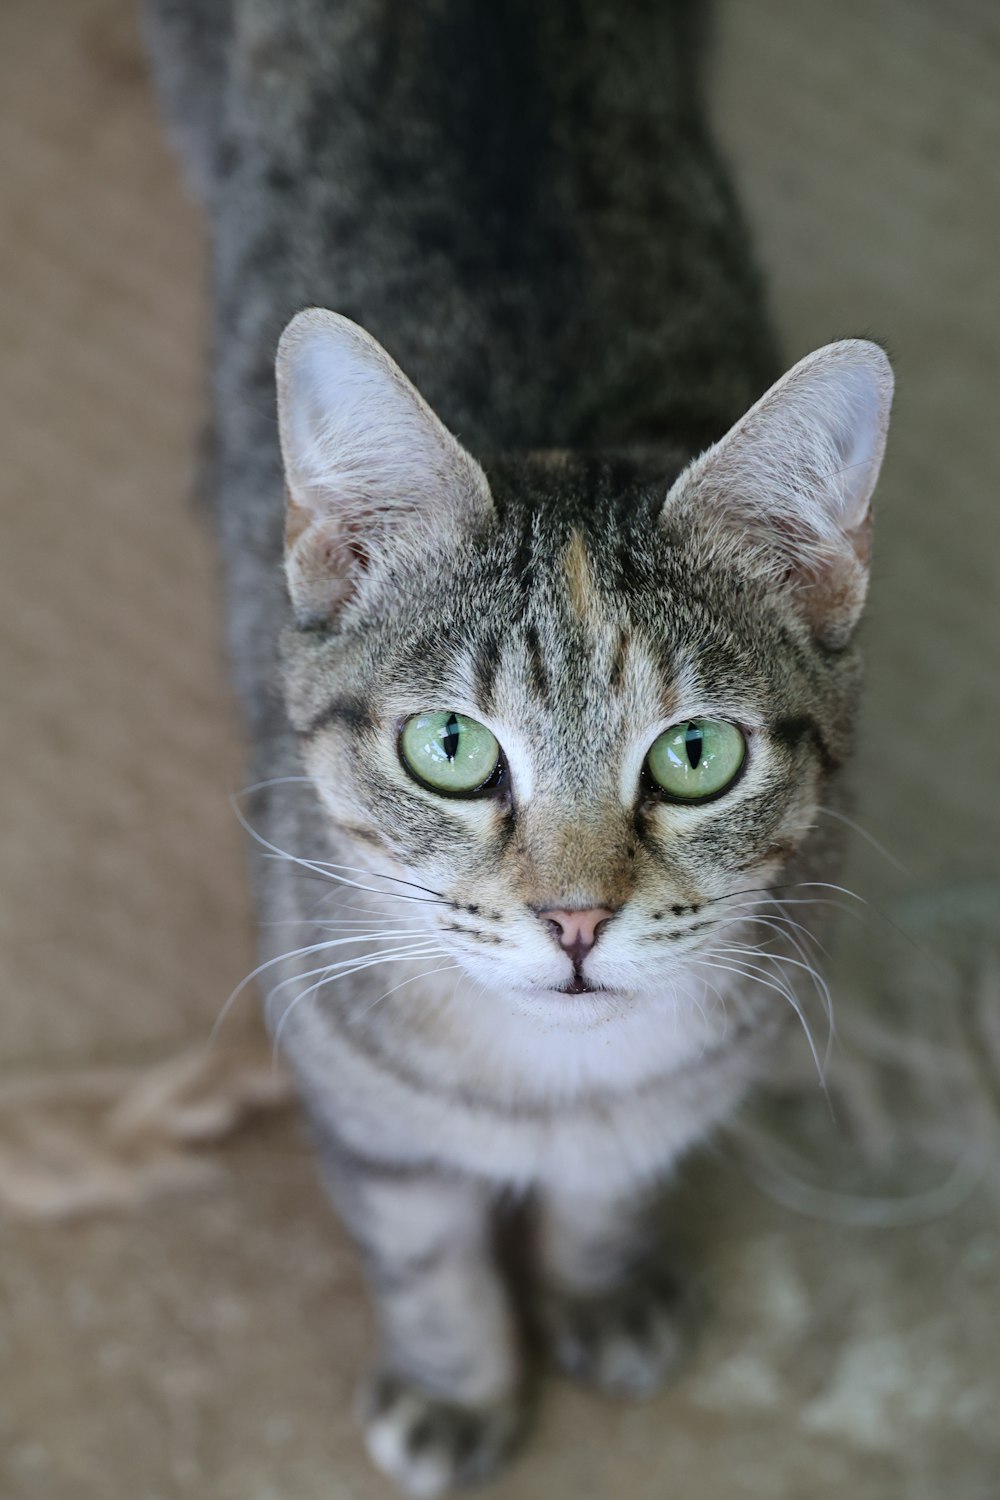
[(452, 734), (693, 744)]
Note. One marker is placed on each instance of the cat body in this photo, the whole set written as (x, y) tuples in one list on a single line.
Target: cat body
[(560, 979)]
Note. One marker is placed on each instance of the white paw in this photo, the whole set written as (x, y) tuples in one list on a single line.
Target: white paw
[(428, 1446)]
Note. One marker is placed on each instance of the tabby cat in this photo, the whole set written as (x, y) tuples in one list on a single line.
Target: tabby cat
[(561, 664)]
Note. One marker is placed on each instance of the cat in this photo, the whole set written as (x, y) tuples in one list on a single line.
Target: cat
[(562, 660)]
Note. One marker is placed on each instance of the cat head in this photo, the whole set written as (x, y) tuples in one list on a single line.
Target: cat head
[(588, 705)]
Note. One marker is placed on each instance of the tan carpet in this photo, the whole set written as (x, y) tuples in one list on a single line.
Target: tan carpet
[(203, 1343)]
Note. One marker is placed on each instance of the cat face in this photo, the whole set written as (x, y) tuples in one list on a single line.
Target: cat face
[(588, 708)]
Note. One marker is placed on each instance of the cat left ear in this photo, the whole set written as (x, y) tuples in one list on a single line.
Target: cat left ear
[(790, 486), (371, 473)]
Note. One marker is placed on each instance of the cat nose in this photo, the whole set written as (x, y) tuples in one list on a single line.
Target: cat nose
[(576, 931)]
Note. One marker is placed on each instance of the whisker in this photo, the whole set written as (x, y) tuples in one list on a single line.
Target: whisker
[(818, 978), (351, 869), (779, 923), (820, 984), (330, 924), (314, 865), (259, 786), (288, 957), (867, 910), (785, 929), (378, 874), (357, 960), (323, 870), (425, 974), (329, 978), (787, 995), (722, 1001), (869, 838)]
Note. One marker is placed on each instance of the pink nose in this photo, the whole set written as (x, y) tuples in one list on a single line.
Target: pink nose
[(576, 931)]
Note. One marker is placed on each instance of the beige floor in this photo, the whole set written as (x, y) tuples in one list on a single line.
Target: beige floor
[(202, 1342)]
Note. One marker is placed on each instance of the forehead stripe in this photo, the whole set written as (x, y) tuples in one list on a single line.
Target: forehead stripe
[(485, 663), (618, 660), (536, 663), (341, 711), (792, 731), (578, 576)]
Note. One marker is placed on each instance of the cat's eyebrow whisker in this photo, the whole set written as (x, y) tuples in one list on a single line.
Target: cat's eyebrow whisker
[(839, 817)]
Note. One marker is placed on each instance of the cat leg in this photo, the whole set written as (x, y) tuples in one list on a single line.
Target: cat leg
[(445, 1403), (613, 1311)]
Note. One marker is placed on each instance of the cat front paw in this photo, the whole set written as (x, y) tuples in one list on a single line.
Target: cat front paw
[(628, 1341), (429, 1446)]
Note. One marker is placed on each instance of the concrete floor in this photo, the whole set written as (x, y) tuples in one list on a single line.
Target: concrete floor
[(203, 1341)]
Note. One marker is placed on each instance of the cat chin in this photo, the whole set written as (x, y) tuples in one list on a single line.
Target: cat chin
[(551, 1044), (660, 1006), (557, 1009), (552, 1012)]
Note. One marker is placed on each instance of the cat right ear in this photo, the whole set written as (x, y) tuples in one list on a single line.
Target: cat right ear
[(371, 473), (788, 490)]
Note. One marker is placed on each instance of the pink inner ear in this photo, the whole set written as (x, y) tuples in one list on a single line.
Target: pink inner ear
[(341, 552), (297, 519), (322, 566), (360, 553), (829, 584)]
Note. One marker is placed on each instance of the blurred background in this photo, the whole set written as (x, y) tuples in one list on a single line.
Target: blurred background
[(179, 1315)]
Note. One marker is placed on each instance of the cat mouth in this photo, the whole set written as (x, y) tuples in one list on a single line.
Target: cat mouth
[(580, 986)]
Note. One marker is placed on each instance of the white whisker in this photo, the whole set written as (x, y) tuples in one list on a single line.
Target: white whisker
[(294, 953), (316, 867), (329, 978), (425, 974), (786, 993), (358, 960), (325, 870), (869, 838), (820, 984), (351, 869)]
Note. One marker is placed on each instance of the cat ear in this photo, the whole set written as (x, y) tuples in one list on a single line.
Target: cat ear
[(790, 485), (371, 473)]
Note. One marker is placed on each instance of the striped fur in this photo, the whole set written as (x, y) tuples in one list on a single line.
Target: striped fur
[(567, 529)]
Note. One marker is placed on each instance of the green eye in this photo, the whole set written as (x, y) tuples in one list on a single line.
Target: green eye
[(449, 753), (697, 760)]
